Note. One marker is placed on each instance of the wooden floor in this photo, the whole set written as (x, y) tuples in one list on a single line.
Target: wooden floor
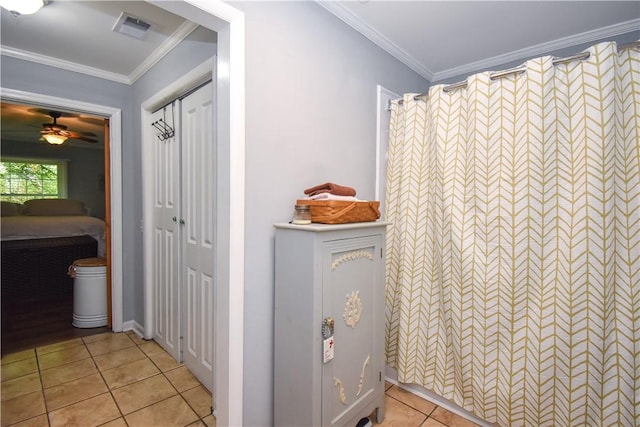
[(38, 323)]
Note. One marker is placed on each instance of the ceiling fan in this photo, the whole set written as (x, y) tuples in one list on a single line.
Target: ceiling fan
[(55, 133)]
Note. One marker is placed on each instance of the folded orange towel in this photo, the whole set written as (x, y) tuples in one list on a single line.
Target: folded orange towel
[(332, 188)]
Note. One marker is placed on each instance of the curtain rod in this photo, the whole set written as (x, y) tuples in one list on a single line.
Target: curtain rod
[(499, 74)]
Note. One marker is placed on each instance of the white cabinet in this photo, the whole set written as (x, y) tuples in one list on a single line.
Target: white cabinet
[(328, 272)]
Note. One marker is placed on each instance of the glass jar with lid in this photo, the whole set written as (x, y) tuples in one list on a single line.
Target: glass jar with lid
[(301, 215)]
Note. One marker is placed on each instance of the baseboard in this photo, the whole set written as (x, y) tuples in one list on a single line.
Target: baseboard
[(132, 325), (391, 375)]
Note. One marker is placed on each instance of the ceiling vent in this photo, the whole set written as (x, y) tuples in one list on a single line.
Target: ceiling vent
[(131, 26)]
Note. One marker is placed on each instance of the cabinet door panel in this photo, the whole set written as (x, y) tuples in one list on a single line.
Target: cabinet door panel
[(350, 282)]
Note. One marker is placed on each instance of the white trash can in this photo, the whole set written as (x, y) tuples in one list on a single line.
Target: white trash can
[(89, 292)]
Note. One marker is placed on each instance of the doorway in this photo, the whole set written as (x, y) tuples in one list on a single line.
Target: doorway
[(228, 22), (112, 180), (37, 303)]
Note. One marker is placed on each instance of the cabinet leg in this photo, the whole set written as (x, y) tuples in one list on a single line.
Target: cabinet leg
[(379, 414)]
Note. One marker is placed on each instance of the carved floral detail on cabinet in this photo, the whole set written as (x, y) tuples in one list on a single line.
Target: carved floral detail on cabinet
[(338, 382), (362, 377), (350, 256), (352, 309)]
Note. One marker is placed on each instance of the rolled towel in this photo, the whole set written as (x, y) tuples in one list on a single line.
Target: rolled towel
[(330, 187)]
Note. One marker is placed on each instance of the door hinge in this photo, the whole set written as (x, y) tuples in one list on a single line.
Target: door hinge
[(380, 376), (380, 252)]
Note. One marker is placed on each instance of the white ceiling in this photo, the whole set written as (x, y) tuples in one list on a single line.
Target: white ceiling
[(437, 39), (78, 35), (443, 39)]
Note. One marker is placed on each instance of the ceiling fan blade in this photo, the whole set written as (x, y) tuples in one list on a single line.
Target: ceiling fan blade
[(77, 135), (87, 134), (61, 129), (84, 138)]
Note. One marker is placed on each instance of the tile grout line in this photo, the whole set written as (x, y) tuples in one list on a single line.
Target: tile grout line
[(428, 416), (412, 407), (92, 357), (107, 385), (83, 344), (44, 398), (179, 393), (160, 373)]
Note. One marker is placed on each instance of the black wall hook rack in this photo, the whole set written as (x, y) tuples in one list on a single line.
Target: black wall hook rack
[(166, 131)]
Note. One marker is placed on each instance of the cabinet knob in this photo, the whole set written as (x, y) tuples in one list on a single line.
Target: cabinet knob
[(327, 327)]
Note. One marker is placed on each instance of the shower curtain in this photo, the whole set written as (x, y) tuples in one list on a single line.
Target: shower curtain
[(513, 258)]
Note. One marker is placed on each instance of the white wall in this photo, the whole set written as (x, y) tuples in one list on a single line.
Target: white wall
[(311, 118)]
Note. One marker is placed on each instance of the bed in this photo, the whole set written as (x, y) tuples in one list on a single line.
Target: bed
[(48, 218), (25, 227), (39, 240)]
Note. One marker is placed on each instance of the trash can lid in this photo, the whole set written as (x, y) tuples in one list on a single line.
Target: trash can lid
[(90, 262)]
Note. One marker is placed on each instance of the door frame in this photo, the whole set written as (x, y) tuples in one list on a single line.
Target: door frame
[(115, 167), (383, 97), (229, 83)]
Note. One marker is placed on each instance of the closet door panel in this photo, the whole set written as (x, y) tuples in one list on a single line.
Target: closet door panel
[(166, 191), (198, 198)]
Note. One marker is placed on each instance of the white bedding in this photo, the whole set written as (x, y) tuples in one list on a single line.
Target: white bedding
[(22, 227)]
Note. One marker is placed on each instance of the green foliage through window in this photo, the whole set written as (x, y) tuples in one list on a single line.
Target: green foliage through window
[(22, 181)]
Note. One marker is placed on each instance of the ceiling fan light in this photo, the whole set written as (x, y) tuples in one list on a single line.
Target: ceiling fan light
[(55, 139), (22, 7)]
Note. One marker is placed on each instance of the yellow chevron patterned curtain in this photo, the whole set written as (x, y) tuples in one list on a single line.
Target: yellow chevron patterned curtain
[(513, 268)]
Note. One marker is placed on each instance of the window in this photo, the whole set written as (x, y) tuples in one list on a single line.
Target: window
[(26, 179)]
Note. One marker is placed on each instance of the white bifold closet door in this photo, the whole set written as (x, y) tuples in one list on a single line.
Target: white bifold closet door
[(183, 233)]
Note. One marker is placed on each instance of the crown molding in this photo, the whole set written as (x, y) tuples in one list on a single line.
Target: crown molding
[(383, 42), (172, 41), (376, 37), (65, 65), (181, 33), (541, 49)]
